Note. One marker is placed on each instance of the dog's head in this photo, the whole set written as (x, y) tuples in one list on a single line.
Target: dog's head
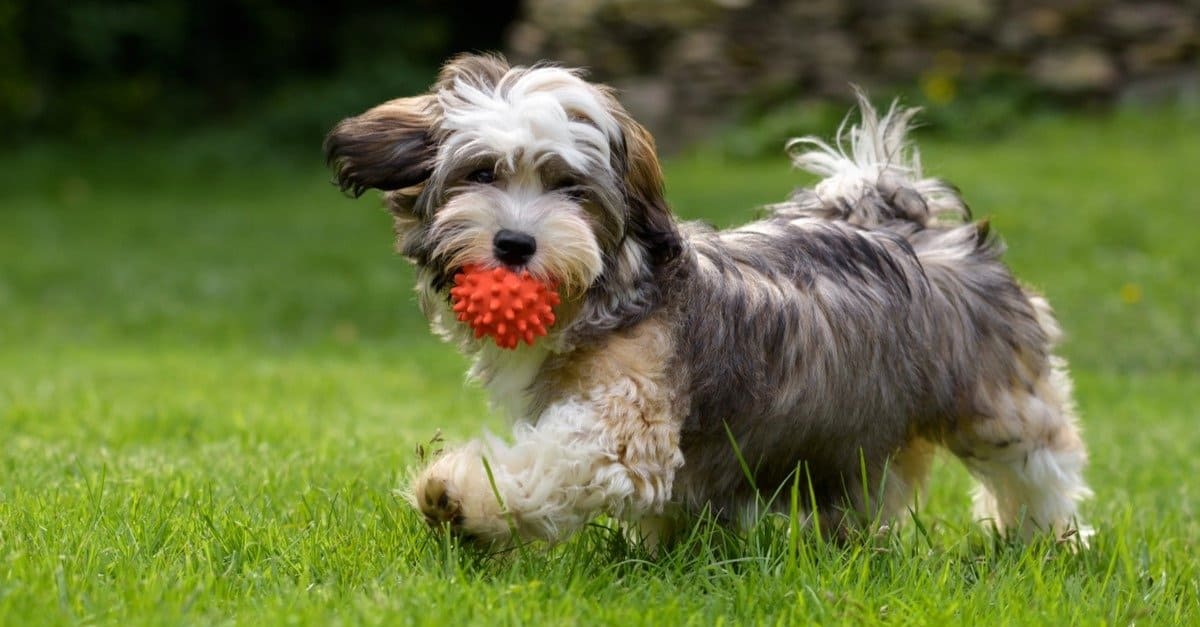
[(530, 168)]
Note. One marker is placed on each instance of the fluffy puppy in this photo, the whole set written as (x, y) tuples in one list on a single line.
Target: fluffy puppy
[(856, 328)]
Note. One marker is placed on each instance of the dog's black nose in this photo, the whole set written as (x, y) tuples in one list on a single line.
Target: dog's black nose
[(513, 247)]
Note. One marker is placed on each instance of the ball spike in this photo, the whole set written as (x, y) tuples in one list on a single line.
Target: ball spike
[(504, 305)]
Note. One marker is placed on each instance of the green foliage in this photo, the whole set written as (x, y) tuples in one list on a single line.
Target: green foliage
[(88, 68), (977, 108), (766, 133), (983, 107), (213, 377)]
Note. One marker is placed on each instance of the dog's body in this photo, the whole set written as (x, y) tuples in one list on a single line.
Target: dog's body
[(859, 325)]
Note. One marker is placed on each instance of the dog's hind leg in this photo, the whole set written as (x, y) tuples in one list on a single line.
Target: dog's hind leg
[(908, 472), (1028, 457), (884, 502)]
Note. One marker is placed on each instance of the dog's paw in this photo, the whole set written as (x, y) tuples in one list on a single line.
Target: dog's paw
[(434, 500), (454, 492)]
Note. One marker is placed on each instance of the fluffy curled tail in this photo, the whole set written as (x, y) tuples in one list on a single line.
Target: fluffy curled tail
[(872, 175)]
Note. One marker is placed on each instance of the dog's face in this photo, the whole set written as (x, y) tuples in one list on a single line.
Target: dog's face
[(529, 168)]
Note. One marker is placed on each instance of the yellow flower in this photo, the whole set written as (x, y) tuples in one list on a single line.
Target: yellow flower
[(938, 87), (1131, 293)]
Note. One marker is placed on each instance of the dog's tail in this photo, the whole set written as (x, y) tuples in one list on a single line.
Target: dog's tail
[(872, 175)]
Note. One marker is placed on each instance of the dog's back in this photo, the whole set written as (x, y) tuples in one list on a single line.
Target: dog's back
[(982, 325)]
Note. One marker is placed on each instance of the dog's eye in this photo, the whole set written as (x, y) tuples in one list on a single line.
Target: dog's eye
[(571, 188), (483, 176)]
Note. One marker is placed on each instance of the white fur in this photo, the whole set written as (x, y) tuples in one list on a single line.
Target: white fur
[(540, 113), (878, 152), (508, 374), (1031, 492), (553, 478)]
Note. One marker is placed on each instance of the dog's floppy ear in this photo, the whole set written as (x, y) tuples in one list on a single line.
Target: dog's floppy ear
[(650, 218), (389, 147)]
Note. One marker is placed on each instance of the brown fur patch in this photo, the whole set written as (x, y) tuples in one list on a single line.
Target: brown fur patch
[(389, 147), (627, 382), (650, 217)]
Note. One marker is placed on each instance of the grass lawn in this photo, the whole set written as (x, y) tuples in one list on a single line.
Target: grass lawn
[(213, 376)]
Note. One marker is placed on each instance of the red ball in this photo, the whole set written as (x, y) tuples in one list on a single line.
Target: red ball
[(503, 305)]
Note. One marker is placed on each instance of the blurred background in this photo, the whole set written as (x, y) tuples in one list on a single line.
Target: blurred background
[(754, 69), (162, 185), (161, 175)]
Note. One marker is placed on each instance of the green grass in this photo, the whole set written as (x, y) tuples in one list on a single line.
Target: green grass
[(213, 377)]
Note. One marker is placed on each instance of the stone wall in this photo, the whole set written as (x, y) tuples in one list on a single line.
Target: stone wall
[(685, 65)]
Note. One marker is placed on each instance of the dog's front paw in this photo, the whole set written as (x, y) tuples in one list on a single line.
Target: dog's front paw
[(455, 491), (433, 499)]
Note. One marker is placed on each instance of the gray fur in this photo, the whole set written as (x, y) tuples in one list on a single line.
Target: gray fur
[(846, 308), (885, 350)]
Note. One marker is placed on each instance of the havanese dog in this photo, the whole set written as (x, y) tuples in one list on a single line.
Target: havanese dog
[(835, 344)]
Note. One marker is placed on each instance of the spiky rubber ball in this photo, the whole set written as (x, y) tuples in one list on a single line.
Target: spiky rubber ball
[(503, 305)]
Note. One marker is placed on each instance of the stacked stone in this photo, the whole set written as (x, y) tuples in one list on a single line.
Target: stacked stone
[(684, 65)]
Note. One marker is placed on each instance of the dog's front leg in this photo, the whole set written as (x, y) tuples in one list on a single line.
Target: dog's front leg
[(613, 448)]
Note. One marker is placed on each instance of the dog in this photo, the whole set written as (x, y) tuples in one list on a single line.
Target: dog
[(834, 344)]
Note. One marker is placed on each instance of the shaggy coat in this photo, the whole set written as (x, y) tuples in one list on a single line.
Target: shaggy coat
[(838, 341)]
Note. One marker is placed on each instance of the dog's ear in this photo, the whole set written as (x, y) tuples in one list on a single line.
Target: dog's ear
[(389, 147), (633, 289), (650, 219)]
